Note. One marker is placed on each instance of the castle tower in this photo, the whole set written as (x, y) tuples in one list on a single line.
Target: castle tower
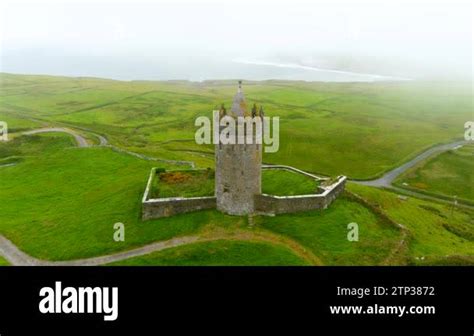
[(238, 167)]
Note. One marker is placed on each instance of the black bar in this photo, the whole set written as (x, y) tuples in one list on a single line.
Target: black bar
[(233, 298)]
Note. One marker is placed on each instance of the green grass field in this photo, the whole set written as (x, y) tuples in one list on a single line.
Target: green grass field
[(219, 253), (282, 182), (60, 202), (449, 173), (325, 233), (33, 145)]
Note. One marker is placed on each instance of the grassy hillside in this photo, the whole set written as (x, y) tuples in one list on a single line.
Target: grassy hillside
[(325, 233), (436, 230), (449, 174), (356, 129)]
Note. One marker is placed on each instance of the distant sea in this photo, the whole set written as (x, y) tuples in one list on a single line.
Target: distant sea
[(184, 67)]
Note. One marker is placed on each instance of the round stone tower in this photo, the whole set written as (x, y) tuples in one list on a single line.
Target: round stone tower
[(238, 166)]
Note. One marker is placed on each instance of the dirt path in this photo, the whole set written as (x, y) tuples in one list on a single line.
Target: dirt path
[(17, 257), (8, 165), (80, 140)]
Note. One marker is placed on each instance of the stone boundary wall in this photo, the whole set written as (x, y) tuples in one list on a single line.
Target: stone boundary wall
[(270, 204), (165, 207)]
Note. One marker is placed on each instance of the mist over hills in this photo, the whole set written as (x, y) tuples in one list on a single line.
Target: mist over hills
[(184, 66)]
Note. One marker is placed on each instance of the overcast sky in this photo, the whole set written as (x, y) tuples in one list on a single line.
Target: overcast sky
[(218, 39)]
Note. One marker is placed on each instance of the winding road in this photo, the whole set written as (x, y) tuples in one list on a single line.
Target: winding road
[(387, 179)]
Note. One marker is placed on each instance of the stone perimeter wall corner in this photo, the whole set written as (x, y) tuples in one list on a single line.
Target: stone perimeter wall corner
[(289, 204)]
